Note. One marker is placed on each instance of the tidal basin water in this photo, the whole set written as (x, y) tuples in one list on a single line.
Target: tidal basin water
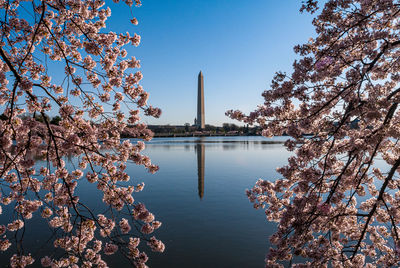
[(199, 196)]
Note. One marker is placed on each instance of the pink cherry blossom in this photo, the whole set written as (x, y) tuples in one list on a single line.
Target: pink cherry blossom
[(62, 59), (334, 203)]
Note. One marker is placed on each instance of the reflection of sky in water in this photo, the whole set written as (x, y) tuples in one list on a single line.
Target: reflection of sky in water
[(199, 195), (221, 229)]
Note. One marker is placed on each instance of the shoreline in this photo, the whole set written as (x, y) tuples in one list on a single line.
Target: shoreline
[(219, 141), (199, 134)]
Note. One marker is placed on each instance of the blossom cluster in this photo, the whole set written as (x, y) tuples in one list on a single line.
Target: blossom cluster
[(337, 199), (98, 99)]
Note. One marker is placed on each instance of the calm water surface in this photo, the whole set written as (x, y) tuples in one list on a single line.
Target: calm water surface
[(199, 196)]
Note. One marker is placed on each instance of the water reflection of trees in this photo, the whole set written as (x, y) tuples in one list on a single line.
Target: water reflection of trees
[(227, 145)]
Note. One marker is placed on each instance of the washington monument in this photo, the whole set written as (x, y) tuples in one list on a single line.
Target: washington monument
[(200, 102)]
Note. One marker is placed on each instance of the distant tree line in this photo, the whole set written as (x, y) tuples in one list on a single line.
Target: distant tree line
[(226, 128), (187, 128)]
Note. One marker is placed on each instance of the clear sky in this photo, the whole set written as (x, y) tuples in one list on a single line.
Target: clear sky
[(238, 45)]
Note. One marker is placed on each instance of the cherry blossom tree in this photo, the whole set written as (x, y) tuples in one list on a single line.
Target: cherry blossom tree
[(57, 58), (337, 201)]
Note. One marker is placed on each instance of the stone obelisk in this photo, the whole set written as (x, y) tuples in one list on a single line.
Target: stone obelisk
[(200, 102)]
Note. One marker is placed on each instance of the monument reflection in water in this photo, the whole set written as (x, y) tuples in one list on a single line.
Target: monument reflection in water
[(214, 229), (200, 151)]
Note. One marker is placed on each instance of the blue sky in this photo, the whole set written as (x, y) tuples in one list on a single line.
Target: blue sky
[(238, 45)]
